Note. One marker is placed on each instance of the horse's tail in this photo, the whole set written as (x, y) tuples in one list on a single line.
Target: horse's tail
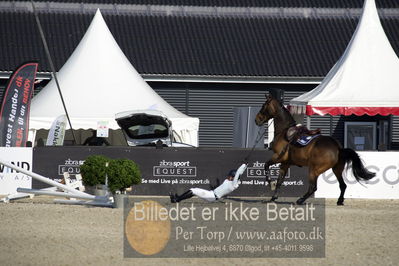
[(358, 169)]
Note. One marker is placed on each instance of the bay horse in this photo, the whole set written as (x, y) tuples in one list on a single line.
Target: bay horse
[(321, 154)]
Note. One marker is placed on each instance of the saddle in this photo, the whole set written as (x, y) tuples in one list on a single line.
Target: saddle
[(299, 134)]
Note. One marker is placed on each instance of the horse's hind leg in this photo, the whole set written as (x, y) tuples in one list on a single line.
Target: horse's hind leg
[(313, 175), (312, 188), (338, 169)]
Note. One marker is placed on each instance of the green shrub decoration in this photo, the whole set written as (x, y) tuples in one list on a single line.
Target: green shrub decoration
[(122, 173), (93, 170)]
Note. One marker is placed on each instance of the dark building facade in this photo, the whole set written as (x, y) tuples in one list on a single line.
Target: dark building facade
[(205, 57)]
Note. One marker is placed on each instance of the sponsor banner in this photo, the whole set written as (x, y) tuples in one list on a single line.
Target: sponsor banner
[(56, 133), (9, 179), (176, 170), (385, 185), (232, 229), (14, 114)]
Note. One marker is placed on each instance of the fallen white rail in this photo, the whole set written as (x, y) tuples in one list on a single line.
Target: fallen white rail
[(83, 202), (61, 194), (15, 196), (44, 179), (69, 192), (18, 195)]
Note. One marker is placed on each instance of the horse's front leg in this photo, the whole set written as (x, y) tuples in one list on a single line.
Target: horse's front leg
[(280, 179), (273, 160), (267, 170)]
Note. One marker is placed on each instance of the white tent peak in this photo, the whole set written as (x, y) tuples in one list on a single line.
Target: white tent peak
[(98, 81), (365, 79)]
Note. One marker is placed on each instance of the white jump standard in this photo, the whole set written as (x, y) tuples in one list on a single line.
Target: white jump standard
[(69, 192), (230, 184)]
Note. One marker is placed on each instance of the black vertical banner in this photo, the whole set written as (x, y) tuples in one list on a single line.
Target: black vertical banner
[(14, 114)]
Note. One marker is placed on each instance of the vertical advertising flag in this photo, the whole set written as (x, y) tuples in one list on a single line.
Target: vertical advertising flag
[(56, 134), (14, 113)]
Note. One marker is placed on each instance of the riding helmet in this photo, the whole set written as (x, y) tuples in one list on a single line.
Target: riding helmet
[(232, 173)]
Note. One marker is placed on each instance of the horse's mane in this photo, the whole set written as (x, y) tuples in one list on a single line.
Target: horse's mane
[(286, 114)]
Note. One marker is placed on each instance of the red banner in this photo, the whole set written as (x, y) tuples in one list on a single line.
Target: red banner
[(14, 114)]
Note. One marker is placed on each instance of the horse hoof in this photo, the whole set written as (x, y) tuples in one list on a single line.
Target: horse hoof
[(340, 203), (273, 199), (300, 201)]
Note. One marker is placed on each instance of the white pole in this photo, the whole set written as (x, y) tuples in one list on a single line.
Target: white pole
[(82, 202), (44, 179), (247, 129), (308, 122), (15, 196), (24, 195), (61, 194)]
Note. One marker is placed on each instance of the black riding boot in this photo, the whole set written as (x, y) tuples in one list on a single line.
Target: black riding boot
[(172, 197), (186, 195)]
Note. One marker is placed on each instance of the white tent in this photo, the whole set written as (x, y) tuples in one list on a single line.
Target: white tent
[(365, 80), (98, 81)]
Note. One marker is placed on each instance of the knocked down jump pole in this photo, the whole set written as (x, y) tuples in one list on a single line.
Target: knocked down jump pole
[(82, 202), (60, 194), (47, 180)]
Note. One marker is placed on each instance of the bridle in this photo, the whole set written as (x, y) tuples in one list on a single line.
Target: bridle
[(264, 111)]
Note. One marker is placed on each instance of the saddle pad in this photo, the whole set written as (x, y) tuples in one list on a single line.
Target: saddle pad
[(305, 140)]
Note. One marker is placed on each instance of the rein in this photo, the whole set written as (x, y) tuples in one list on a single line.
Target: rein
[(258, 138), (264, 111)]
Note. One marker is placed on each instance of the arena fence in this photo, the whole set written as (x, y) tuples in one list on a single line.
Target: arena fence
[(178, 169)]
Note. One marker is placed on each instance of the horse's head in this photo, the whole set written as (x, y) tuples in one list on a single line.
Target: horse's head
[(268, 110)]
